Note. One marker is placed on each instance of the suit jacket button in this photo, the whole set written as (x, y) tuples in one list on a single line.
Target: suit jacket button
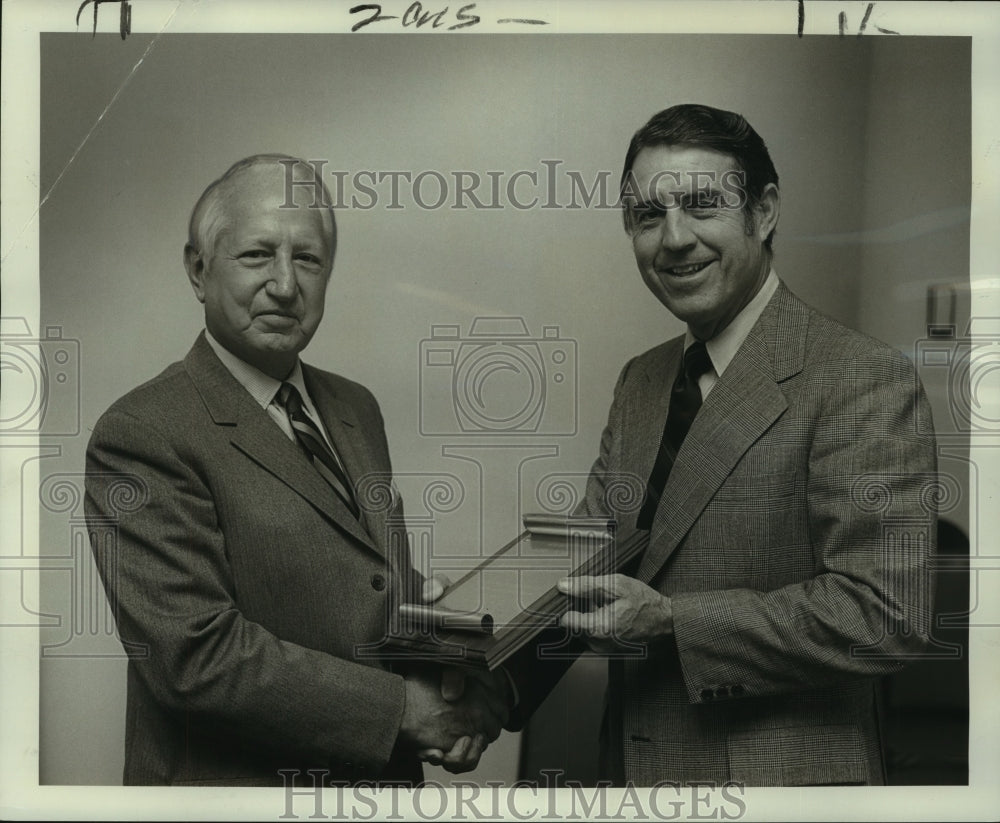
[(737, 690), (722, 691), (707, 694), (378, 582)]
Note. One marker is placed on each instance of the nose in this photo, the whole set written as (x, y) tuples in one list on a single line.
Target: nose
[(675, 232), (282, 284)]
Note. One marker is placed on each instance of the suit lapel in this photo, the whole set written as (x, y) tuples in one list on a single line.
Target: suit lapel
[(255, 434), (743, 405)]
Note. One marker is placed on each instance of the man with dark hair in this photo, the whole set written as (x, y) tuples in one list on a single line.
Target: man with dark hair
[(721, 131), (254, 569), (789, 465)]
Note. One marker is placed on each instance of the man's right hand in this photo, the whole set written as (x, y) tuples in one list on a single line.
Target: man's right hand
[(455, 732)]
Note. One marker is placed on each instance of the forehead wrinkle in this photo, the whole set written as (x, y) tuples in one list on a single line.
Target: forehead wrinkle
[(251, 188), (255, 207)]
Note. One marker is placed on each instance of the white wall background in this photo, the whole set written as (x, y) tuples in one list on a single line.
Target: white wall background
[(866, 135)]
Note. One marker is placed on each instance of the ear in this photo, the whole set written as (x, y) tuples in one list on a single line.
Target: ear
[(194, 264), (767, 211)]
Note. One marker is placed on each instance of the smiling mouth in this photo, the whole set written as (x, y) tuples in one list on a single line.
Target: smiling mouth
[(684, 271)]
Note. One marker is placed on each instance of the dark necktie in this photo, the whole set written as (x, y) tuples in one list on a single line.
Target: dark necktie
[(312, 441), (685, 400)]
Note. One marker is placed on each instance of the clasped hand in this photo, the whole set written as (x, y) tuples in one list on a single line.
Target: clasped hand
[(620, 612), (451, 715)]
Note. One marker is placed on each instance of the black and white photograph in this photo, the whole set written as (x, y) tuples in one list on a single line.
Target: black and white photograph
[(500, 410)]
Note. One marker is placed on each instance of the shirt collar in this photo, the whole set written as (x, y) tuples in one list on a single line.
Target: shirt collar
[(262, 387), (723, 347)]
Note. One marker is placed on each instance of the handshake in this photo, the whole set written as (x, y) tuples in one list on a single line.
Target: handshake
[(450, 716)]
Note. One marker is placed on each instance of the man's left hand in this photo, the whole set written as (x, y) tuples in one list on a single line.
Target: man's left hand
[(623, 612)]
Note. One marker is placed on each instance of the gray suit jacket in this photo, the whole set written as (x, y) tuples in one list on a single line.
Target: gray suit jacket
[(241, 584), (792, 537)]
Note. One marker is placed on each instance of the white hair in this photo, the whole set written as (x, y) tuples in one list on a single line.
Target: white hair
[(208, 217)]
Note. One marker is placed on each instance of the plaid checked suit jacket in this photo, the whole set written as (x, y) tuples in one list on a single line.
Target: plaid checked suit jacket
[(793, 539), (243, 585)]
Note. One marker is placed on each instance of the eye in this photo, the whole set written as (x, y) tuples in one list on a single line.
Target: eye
[(311, 260), (254, 255), (646, 215), (705, 201)]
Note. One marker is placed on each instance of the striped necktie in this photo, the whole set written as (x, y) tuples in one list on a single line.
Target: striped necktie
[(685, 400), (312, 441)]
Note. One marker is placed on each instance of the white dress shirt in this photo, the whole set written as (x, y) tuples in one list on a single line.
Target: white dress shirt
[(723, 347), (264, 390)]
